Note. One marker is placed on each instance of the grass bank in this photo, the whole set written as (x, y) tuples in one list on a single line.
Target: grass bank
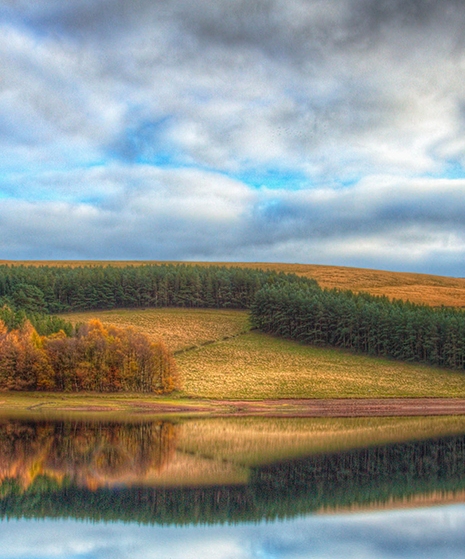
[(255, 365), (220, 358)]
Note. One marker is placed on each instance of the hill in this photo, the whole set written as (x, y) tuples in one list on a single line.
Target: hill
[(417, 288), (219, 357)]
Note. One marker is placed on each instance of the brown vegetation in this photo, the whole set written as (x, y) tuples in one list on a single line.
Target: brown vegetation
[(95, 359)]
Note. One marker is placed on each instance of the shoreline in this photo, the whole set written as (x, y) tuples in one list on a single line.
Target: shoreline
[(131, 405)]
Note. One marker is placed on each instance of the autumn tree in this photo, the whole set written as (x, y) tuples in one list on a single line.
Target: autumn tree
[(96, 359), (24, 364)]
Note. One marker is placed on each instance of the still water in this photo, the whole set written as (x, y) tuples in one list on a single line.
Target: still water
[(233, 488)]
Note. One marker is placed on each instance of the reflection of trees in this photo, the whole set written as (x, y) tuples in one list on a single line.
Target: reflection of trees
[(358, 477), (361, 477), (89, 454)]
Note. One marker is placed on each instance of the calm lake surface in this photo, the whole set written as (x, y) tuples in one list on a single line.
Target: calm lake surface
[(233, 488)]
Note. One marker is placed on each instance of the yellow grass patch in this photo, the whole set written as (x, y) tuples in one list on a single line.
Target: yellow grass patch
[(180, 329), (255, 365)]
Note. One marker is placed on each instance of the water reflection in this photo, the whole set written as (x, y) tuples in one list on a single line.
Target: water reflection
[(437, 533), (167, 473), (89, 455)]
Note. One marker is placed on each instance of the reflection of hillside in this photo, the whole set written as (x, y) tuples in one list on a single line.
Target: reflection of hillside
[(95, 463), (431, 499), (255, 441), (86, 454)]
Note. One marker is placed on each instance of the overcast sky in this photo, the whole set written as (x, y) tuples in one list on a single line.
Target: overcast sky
[(313, 131)]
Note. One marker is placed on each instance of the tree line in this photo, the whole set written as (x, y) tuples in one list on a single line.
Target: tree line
[(94, 358), (55, 289), (362, 323), (40, 351)]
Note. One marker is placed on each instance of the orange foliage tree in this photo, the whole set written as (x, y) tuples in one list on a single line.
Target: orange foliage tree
[(24, 365), (95, 359)]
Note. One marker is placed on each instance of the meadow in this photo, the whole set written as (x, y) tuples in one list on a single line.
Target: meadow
[(256, 365), (218, 357), (180, 329)]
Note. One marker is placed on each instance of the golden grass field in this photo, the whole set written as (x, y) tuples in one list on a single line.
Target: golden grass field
[(255, 365), (219, 358), (417, 288), (180, 329)]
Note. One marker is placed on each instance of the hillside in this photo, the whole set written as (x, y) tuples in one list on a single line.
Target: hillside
[(417, 288), (180, 329), (218, 357)]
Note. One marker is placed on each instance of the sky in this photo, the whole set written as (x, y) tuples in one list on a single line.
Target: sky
[(309, 131), (435, 533)]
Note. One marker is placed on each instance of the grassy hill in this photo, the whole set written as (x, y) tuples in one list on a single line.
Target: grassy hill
[(180, 329), (219, 357), (417, 288)]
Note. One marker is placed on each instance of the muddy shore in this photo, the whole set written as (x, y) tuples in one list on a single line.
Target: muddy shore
[(340, 407)]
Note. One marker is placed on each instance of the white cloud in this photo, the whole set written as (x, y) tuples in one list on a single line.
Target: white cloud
[(412, 534), (137, 211), (143, 109)]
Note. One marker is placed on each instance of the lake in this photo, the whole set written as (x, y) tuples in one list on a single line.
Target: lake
[(232, 488)]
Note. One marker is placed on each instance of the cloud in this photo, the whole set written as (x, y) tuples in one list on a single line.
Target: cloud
[(282, 83), (139, 211), (435, 532), (303, 106)]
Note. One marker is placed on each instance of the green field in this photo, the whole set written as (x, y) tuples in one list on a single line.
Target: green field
[(219, 358)]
